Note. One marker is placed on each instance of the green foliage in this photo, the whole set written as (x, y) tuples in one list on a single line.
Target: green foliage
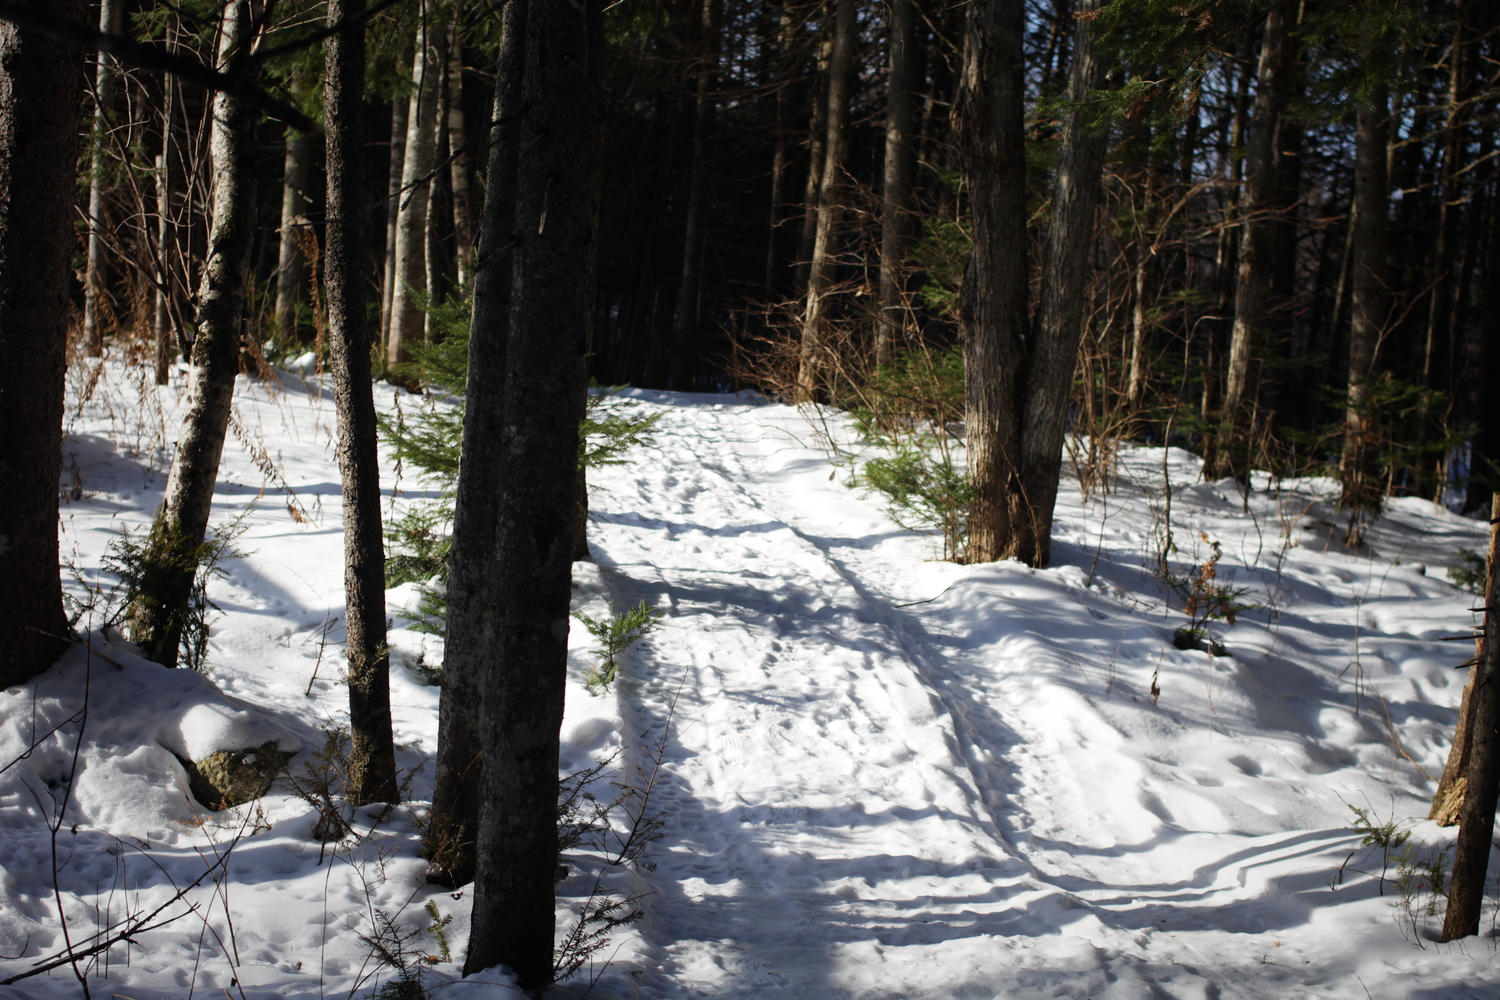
[(322, 781), (924, 492), (616, 634), (943, 251), (141, 565), (1206, 600), (439, 930), (1470, 573)]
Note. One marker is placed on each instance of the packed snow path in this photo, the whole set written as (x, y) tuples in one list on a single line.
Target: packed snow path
[(873, 791)]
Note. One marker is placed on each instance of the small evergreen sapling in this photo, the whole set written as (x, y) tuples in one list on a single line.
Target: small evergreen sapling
[(616, 634)]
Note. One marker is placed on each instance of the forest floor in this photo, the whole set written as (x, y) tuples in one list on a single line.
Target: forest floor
[(876, 774)]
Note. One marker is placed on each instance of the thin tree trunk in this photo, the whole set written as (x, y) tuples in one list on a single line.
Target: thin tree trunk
[(161, 320), (1476, 822), (400, 112), (170, 563), (1135, 393), (94, 292), (407, 320), (291, 266), (989, 129), (1059, 327), (689, 292), (472, 627), (890, 323), (1257, 240), (817, 138), (551, 308), (785, 42), (1369, 306), (359, 459), (40, 91), (824, 266), (458, 170)]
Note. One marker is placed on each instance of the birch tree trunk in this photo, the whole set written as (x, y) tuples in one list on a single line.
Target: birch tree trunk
[(373, 749), (410, 268), (94, 293), (1257, 240), (473, 570), (458, 170), (824, 266), (161, 319), (40, 91), (551, 308), (159, 609)]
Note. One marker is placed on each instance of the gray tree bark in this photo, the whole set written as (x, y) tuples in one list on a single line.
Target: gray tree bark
[(161, 319), (458, 170), (158, 609), (373, 749), (97, 262), (399, 113), (407, 321), (824, 267), (291, 265), (473, 569), (895, 228), (1257, 240), (40, 90), (1059, 325), (551, 308), (989, 129)]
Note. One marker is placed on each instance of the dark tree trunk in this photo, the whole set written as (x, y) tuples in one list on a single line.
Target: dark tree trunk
[(359, 458), (551, 310), (1476, 821), (96, 264), (40, 88), (1059, 327), (824, 266), (989, 129), (685, 319), (473, 569), (1370, 304), (291, 265), (890, 323), (1257, 241), (170, 563)]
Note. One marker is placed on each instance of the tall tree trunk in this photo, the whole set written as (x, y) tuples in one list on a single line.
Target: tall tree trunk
[(1484, 453), (1059, 326), (1476, 821), (161, 320), (685, 320), (472, 627), (990, 133), (407, 320), (40, 90), (824, 265), (94, 292), (1369, 307), (400, 112), (158, 610), (551, 309), (786, 43), (458, 170), (359, 458), (1257, 240), (291, 266), (817, 140), (890, 323)]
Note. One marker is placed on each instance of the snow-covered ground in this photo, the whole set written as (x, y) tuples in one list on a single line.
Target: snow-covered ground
[(881, 775)]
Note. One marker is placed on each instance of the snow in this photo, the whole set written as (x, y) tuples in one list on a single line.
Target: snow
[(881, 775)]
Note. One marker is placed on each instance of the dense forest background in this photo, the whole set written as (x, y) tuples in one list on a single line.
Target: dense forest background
[(750, 149)]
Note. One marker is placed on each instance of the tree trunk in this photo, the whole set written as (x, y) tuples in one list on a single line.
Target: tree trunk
[(890, 323), (989, 130), (824, 266), (551, 308), (458, 170), (817, 138), (400, 110), (95, 296), (1257, 240), (161, 320), (472, 628), (410, 270), (1476, 822), (686, 318), (158, 610), (1369, 306), (291, 266), (373, 750), (1059, 328), (40, 91)]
